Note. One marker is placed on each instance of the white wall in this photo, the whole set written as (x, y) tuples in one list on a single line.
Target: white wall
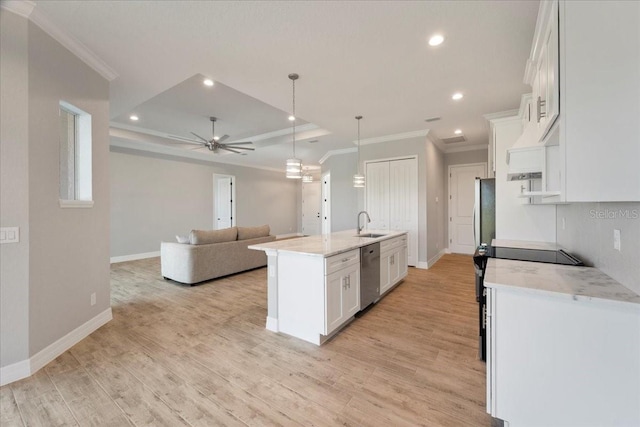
[(346, 201), (63, 255), (436, 203), (154, 197), (588, 234), (14, 188)]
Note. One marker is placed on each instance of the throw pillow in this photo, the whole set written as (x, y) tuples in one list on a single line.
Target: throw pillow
[(245, 233), (205, 237), (182, 239)]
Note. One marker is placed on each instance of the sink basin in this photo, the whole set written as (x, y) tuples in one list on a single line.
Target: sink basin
[(370, 235)]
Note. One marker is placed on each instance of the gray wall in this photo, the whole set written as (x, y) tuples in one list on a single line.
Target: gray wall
[(63, 255), (461, 158), (14, 188), (154, 197), (435, 202), (69, 254), (590, 237)]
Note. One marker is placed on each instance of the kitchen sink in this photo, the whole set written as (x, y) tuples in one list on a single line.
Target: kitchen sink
[(370, 235)]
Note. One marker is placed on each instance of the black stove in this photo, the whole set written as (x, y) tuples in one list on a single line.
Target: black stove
[(482, 255)]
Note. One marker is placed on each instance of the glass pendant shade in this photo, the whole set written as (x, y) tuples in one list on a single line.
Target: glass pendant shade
[(307, 178), (294, 168), (358, 180)]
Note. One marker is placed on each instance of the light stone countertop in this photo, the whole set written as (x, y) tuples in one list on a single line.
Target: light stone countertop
[(578, 283), (523, 244), (326, 245)]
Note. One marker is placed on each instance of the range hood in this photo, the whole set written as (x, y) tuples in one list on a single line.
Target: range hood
[(525, 163)]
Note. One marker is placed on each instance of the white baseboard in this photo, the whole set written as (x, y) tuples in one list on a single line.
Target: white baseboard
[(134, 257), (447, 251), (14, 372), (24, 368), (435, 259), (272, 324), (422, 265)]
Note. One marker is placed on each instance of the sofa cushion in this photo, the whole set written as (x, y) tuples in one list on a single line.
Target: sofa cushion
[(245, 233), (182, 239), (205, 237)]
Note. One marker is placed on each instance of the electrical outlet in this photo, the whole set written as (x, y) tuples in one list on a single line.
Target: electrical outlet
[(616, 239), (93, 299)]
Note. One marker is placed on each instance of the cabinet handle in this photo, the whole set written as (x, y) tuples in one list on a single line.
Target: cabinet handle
[(541, 103)]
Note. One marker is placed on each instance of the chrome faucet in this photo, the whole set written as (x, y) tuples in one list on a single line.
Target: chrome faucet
[(368, 220)]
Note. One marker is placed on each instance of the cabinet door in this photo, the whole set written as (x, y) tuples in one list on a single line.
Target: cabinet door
[(385, 280), (342, 297), (402, 262), (552, 95), (394, 267)]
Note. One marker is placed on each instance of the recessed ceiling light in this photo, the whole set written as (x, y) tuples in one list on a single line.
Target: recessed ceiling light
[(457, 131), (436, 40), (134, 118), (457, 96), (208, 82), (291, 118)]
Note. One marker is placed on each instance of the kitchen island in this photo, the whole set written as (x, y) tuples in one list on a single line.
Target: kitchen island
[(563, 346), (314, 281)]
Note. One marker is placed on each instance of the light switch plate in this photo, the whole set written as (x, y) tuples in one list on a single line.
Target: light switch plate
[(9, 235), (616, 239)]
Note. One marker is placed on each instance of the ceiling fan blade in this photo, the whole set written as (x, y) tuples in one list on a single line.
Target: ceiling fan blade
[(182, 140), (204, 139), (239, 143), (222, 138), (197, 148), (240, 148), (229, 149)]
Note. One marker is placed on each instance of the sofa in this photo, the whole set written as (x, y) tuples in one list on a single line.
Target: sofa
[(208, 254)]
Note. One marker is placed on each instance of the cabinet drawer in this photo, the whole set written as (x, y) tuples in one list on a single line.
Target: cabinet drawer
[(340, 261), (390, 244)]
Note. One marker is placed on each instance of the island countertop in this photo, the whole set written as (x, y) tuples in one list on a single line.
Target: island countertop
[(524, 244), (578, 283), (326, 245)]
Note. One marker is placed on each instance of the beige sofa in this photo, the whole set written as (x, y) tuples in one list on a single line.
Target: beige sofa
[(213, 253)]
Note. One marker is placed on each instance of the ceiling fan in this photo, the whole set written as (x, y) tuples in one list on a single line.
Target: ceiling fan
[(215, 144)]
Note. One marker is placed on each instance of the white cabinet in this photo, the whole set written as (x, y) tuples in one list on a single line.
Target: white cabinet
[(554, 360), (342, 295), (393, 262), (583, 69)]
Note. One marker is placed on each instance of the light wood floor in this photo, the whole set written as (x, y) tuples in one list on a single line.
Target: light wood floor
[(177, 355)]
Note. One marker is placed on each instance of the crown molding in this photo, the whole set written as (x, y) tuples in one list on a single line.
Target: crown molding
[(19, 7), (394, 137), (28, 9), (502, 116), (336, 152)]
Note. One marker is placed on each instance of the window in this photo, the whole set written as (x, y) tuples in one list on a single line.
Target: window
[(75, 157)]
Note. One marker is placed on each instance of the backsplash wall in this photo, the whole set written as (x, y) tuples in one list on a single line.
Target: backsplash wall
[(588, 234)]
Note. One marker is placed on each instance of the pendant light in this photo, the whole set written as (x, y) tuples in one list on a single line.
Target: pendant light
[(307, 177), (294, 165), (358, 178)]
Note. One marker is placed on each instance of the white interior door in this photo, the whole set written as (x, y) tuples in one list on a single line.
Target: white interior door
[(326, 203), (224, 201), (403, 202), (461, 201), (311, 207), (377, 195)]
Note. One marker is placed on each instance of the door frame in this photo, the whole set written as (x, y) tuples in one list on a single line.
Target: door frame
[(414, 157), (449, 237), (325, 201), (217, 176)]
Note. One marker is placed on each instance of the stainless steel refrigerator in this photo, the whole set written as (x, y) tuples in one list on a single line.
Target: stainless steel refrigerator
[(484, 211)]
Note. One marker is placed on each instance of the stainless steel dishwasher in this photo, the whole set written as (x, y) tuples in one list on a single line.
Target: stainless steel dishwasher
[(369, 274)]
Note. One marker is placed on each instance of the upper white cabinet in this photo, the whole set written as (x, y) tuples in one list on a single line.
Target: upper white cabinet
[(584, 71)]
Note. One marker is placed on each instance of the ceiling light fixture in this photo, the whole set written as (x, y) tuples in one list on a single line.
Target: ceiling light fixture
[(358, 178), (457, 131), (457, 96), (436, 40), (208, 82), (294, 165), (291, 118), (134, 118)]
